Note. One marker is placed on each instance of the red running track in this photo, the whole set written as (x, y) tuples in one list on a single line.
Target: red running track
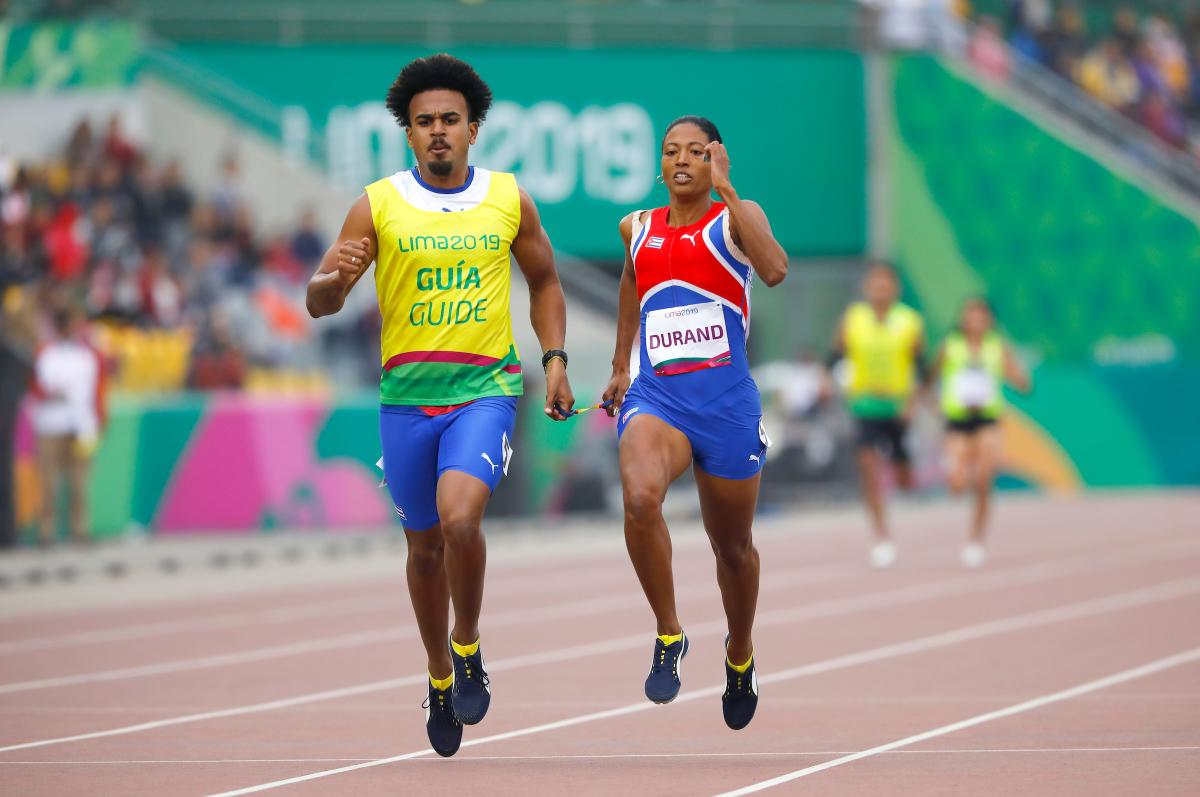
[(1069, 664)]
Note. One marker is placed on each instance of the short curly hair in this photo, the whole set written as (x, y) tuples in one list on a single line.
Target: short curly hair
[(441, 71)]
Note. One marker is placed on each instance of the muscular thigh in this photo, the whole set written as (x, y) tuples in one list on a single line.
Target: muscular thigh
[(727, 506), (653, 453)]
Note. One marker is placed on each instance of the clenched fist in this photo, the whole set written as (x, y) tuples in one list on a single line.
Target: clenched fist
[(353, 259)]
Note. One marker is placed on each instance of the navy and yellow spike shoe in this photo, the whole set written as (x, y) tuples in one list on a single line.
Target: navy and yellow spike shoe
[(443, 728), (472, 691), (740, 699), (662, 684)]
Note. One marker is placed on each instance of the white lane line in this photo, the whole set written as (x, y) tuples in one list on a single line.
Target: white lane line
[(185, 761), (972, 750), (809, 574), (504, 585), (236, 711), (510, 574), (825, 609), (219, 622), (1074, 611), (1156, 666), (572, 571), (807, 753), (501, 583), (524, 616), (622, 756), (205, 662)]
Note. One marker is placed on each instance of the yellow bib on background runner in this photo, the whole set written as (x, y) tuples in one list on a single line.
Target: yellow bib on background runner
[(882, 357), (972, 382), (443, 282)]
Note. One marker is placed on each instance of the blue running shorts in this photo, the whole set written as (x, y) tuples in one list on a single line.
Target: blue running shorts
[(728, 441), (418, 448)]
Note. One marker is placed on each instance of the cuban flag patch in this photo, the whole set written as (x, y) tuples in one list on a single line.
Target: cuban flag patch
[(655, 242)]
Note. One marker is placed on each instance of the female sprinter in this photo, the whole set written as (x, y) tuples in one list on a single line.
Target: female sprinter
[(972, 365), (686, 288)]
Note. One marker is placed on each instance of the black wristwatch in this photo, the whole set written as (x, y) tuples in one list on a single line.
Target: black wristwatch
[(550, 355)]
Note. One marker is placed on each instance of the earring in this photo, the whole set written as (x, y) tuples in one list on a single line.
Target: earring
[(659, 179)]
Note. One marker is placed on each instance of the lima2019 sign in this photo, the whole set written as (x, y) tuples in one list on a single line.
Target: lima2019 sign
[(608, 152)]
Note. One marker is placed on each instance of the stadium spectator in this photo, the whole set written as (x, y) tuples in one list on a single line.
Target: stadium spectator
[(175, 203), (65, 251), (68, 414), (987, 51), (14, 209), (307, 244), (217, 364), (1164, 120), (280, 262), (1066, 41), (160, 294), (1125, 29), (1193, 98), (1146, 68), (227, 197), (117, 147), (16, 257), (145, 251), (1169, 54), (1108, 76), (79, 146), (1030, 23), (110, 239)]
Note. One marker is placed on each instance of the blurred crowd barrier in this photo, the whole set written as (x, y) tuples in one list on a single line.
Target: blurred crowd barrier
[(145, 360), (161, 361)]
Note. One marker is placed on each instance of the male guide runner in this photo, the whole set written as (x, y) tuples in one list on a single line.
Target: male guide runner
[(441, 235), (884, 342), (686, 291)]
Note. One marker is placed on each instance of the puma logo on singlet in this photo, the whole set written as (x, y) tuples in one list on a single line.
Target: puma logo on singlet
[(489, 461), (754, 458), (690, 237)]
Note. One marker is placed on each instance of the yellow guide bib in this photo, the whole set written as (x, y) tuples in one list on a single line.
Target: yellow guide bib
[(882, 364), (971, 382), (443, 283)]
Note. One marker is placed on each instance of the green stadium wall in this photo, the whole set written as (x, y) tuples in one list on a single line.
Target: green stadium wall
[(1093, 276), (579, 128)]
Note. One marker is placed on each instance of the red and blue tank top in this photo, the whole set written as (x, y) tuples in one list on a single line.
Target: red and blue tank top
[(693, 285)]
